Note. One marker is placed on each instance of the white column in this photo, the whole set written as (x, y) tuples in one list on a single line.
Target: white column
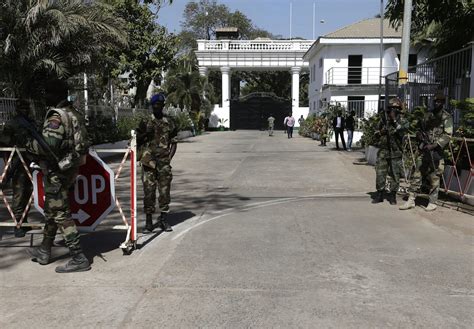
[(224, 112), (295, 88), (225, 87), (203, 71)]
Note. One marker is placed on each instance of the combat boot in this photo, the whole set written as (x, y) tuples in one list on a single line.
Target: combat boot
[(163, 224), (41, 254), (409, 204), (78, 263), (149, 223), (431, 207), (392, 198), (378, 197)]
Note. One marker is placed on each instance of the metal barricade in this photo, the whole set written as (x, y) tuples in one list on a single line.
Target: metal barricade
[(129, 222), (457, 178)]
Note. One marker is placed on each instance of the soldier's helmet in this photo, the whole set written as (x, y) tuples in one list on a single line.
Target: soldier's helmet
[(23, 107)]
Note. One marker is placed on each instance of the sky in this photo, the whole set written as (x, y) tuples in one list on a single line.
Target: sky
[(274, 15)]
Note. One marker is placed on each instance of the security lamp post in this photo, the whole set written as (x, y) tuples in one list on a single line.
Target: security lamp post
[(381, 55)]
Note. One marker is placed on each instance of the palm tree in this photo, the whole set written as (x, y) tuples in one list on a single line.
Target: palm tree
[(44, 39), (187, 89)]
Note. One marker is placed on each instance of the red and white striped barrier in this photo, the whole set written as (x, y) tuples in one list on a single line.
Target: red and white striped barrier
[(93, 196)]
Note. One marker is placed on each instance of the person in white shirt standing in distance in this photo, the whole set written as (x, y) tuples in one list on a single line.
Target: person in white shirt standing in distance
[(289, 123), (271, 125)]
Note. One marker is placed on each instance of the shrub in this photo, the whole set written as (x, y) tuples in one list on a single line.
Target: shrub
[(369, 126), (126, 124), (466, 108), (102, 129)]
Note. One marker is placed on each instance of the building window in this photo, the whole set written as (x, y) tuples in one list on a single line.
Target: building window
[(354, 71), (412, 61), (321, 62)]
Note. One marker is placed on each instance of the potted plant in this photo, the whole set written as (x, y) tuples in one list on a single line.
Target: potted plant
[(221, 123), (369, 140)]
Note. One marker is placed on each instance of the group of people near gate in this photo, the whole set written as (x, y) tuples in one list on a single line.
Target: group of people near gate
[(288, 122), (58, 148), (339, 124), (433, 133)]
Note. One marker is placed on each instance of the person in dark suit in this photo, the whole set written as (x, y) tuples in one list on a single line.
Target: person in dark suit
[(338, 124)]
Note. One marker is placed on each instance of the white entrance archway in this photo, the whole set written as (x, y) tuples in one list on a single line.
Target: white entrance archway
[(269, 55)]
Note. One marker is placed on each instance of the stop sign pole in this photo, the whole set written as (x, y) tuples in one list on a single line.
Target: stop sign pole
[(132, 244)]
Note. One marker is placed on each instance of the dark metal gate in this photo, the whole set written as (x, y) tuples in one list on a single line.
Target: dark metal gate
[(450, 74), (253, 110)]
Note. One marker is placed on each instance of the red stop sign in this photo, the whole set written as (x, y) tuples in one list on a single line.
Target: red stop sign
[(93, 196)]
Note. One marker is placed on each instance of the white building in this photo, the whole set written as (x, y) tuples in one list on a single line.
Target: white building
[(253, 55), (345, 66)]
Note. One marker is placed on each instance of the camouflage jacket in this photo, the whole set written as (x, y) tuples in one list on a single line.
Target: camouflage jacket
[(393, 140), (65, 133), (438, 128), (154, 138)]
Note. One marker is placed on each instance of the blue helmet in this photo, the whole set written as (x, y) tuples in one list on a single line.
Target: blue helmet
[(160, 97)]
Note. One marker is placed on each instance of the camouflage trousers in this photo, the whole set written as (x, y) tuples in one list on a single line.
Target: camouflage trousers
[(160, 176), (426, 176), (21, 188), (270, 130), (57, 210), (387, 168)]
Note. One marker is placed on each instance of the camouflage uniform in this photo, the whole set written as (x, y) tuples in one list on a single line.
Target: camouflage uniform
[(155, 136), (271, 125), (323, 133), (64, 132), (14, 134), (437, 127), (389, 156)]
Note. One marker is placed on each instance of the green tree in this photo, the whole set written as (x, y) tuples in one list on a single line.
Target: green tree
[(278, 83), (187, 89), (42, 40), (151, 48), (202, 18), (448, 23), (200, 21)]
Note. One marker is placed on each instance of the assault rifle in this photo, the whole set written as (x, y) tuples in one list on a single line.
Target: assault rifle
[(389, 143), (51, 157), (433, 155)]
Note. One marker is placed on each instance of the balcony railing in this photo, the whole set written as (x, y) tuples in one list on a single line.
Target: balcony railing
[(362, 108), (255, 45), (356, 75)]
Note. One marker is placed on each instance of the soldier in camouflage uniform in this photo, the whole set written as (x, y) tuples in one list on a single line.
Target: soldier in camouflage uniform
[(434, 133), (323, 133), (66, 147), (14, 134), (157, 142), (389, 156)]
